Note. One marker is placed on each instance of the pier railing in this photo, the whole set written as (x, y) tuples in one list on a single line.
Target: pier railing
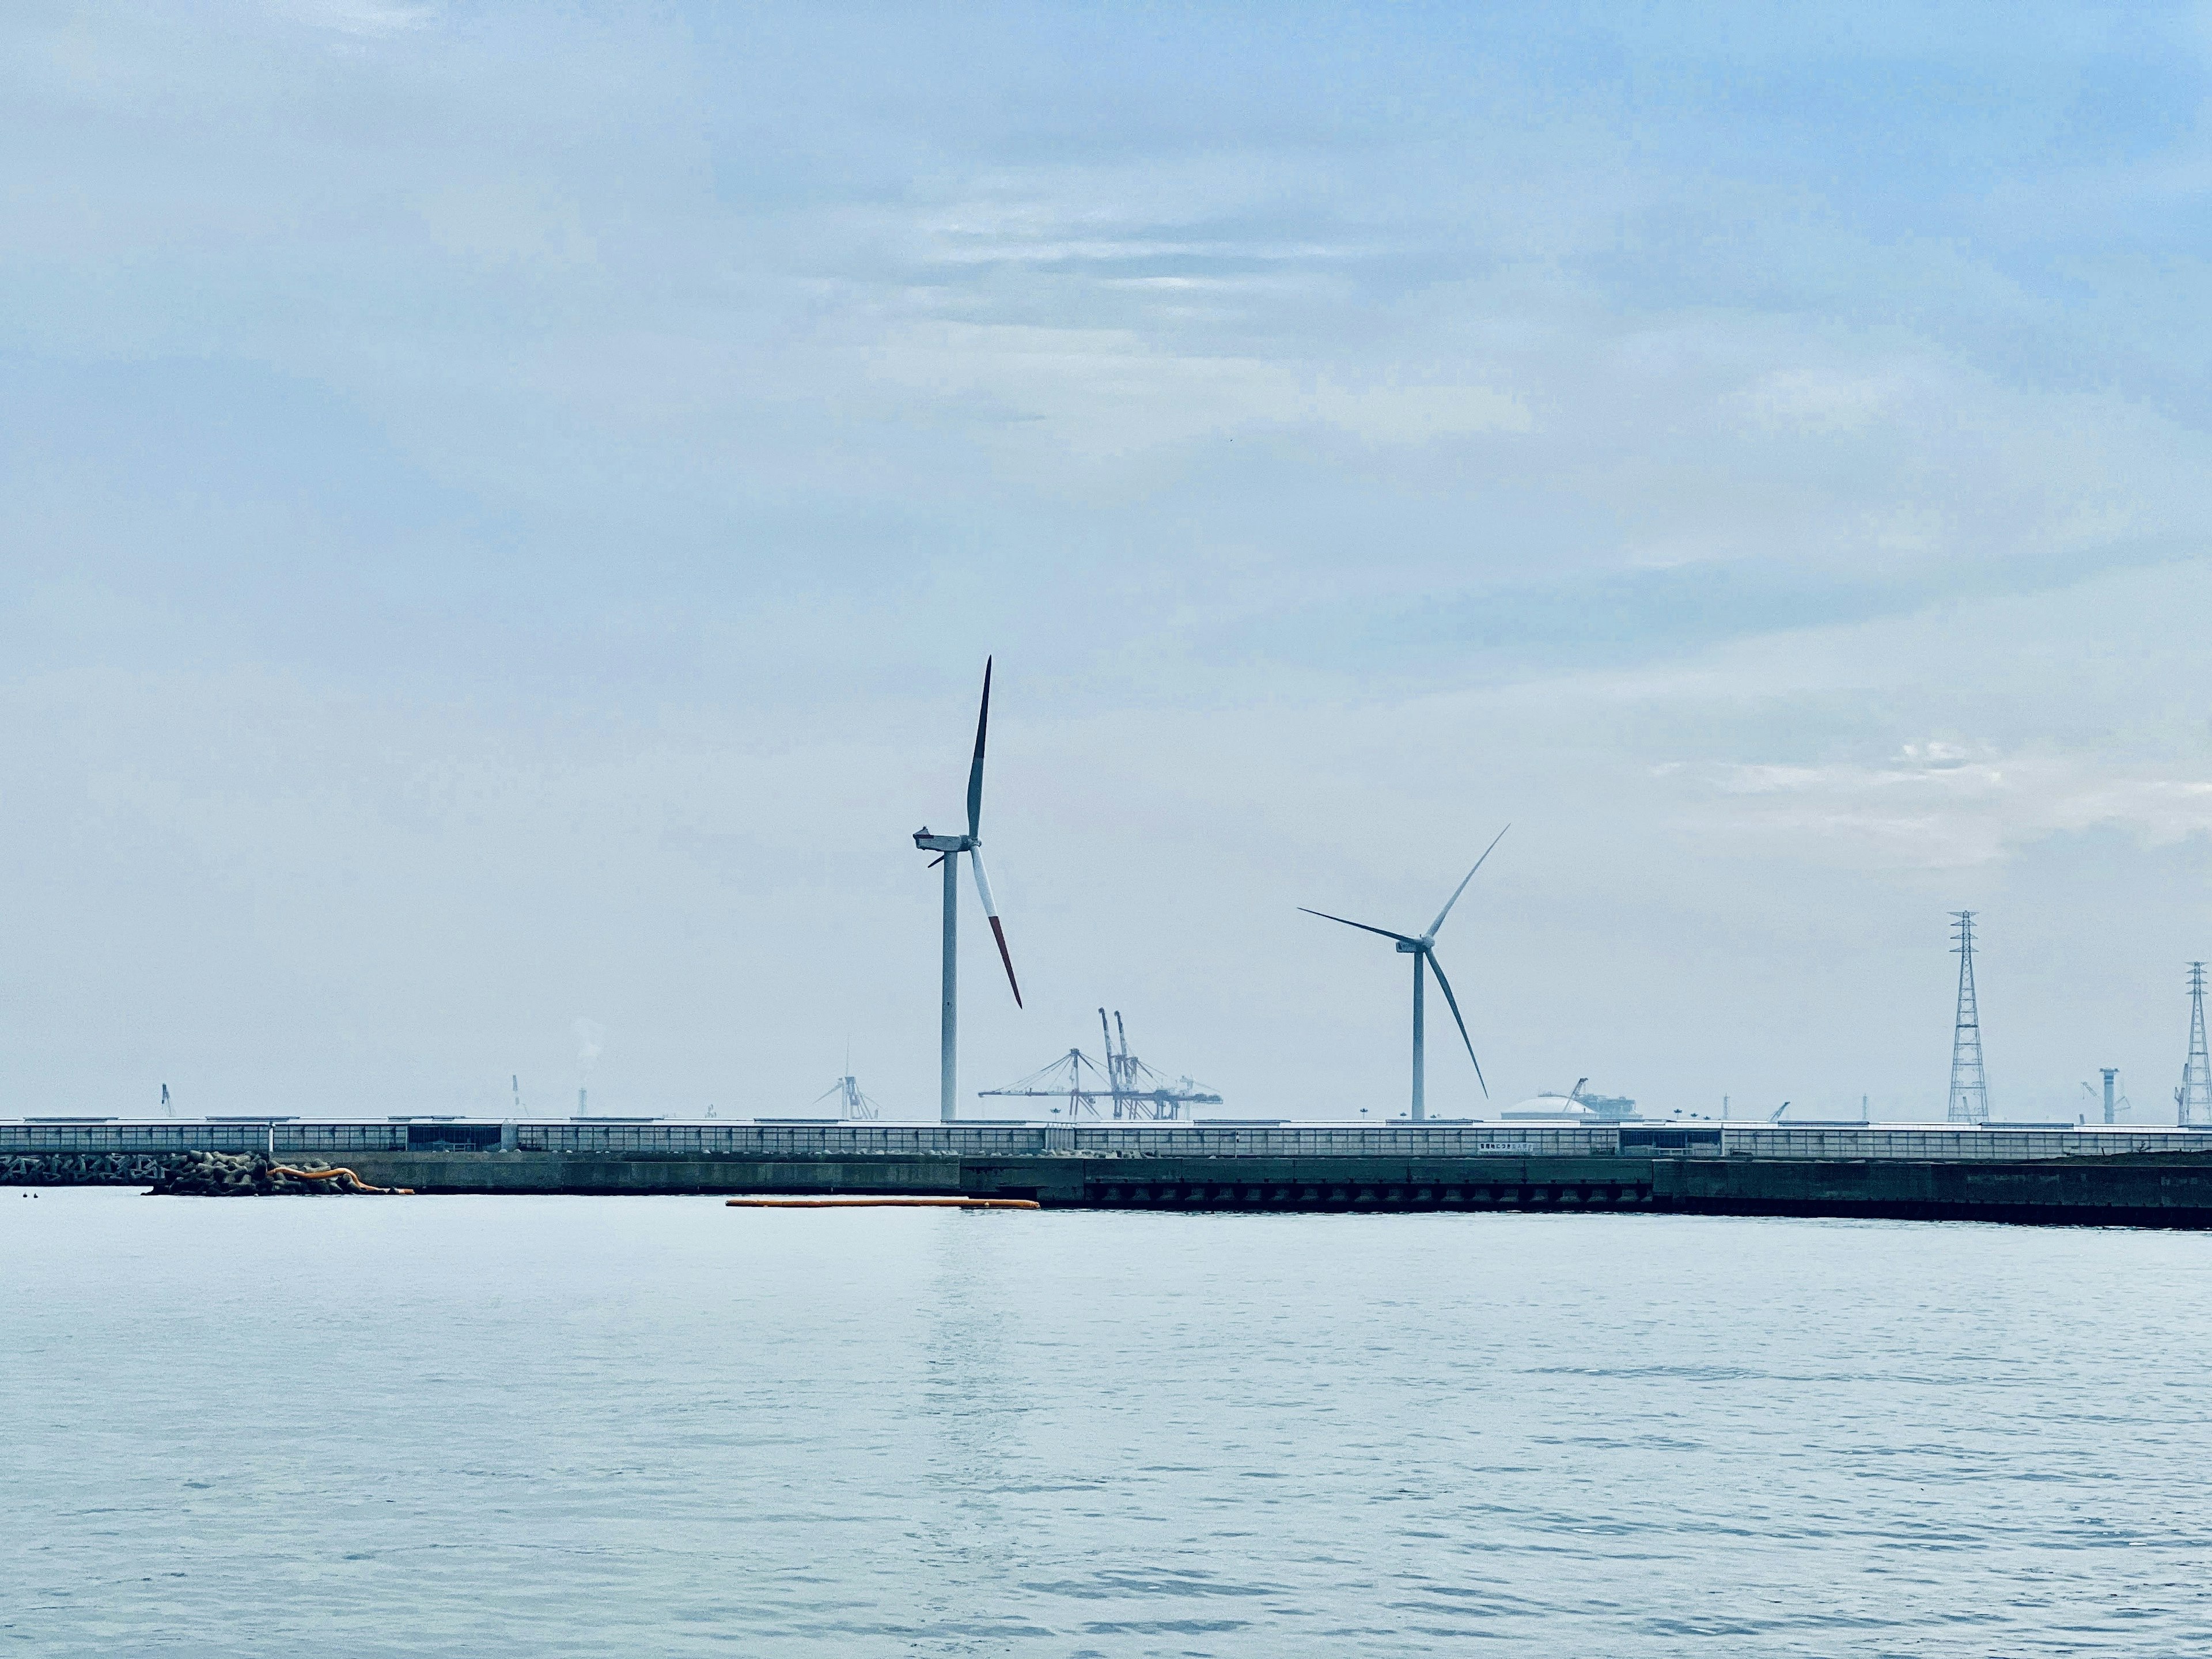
[(1844, 1142), (156, 1139), (1039, 1139), (1936, 1143)]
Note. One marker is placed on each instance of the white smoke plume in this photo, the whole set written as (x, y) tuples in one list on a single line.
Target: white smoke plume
[(591, 1041)]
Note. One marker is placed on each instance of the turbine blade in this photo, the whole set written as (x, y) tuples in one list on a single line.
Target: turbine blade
[(1438, 967), (1013, 984), (1362, 926), (991, 911), (1436, 926), (976, 768)]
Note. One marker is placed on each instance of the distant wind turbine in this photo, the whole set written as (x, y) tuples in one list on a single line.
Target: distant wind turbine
[(1424, 953), (948, 849)]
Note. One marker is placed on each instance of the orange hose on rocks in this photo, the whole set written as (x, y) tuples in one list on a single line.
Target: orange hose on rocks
[(883, 1204), (333, 1175)]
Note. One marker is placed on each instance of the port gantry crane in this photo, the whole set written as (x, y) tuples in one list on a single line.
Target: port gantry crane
[(1131, 1090)]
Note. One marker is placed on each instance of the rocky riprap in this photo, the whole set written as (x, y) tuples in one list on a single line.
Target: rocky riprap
[(81, 1168), (254, 1174)]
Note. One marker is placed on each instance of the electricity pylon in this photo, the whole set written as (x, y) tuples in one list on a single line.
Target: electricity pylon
[(1970, 1085), (2194, 1098)]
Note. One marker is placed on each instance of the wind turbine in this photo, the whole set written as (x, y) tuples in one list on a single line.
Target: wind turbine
[(1424, 953), (948, 849)]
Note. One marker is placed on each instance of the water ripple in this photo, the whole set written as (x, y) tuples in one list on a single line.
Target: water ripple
[(551, 1426)]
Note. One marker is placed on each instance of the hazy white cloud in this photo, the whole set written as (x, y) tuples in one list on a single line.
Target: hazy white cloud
[(366, 18), (1944, 812), (1103, 393)]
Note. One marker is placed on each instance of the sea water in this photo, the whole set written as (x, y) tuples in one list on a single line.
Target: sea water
[(493, 1426)]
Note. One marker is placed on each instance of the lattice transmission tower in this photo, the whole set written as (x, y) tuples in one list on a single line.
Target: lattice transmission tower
[(2194, 1097), (1970, 1085)]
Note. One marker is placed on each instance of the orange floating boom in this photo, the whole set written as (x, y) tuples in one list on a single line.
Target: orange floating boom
[(883, 1204)]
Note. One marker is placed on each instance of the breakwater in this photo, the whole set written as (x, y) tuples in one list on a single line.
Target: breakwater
[(2119, 1177), (189, 1174)]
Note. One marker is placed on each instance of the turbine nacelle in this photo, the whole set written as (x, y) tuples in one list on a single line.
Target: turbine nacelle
[(925, 843)]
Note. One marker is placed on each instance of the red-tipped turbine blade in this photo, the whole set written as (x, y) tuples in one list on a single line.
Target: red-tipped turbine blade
[(991, 910), (976, 767), (1000, 934)]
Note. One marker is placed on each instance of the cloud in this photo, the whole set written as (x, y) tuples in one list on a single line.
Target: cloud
[(1396, 412), (1103, 393), (1934, 811), (363, 19)]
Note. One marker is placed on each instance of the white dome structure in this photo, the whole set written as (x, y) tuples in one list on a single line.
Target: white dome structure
[(1549, 1109)]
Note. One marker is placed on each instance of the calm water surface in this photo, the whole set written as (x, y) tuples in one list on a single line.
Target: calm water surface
[(510, 1426)]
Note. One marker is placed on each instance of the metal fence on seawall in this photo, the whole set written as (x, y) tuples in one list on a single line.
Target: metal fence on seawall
[(166, 1136), (1907, 1142), (1937, 1142), (878, 1139), (1036, 1139)]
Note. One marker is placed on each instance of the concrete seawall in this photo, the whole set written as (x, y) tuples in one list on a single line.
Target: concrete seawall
[(2131, 1180), (2171, 1190)]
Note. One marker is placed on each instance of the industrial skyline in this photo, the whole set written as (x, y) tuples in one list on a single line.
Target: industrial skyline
[(510, 513)]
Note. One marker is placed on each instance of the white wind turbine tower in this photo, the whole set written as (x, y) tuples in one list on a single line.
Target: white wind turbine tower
[(948, 849), (1424, 953)]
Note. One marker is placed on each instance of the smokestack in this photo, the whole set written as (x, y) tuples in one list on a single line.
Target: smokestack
[(582, 1093), (2110, 1072)]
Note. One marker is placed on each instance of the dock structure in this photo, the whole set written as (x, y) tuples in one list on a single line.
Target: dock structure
[(2092, 1176)]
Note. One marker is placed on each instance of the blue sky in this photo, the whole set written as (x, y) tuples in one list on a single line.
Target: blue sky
[(504, 509)]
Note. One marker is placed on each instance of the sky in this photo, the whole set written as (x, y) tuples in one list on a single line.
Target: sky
[(503, 509)]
